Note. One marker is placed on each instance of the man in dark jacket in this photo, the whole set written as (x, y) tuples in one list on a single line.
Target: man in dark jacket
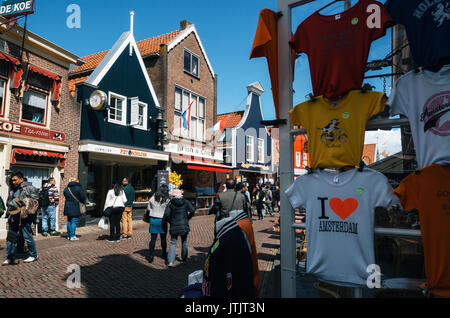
[(178, 213), (127, 221), (20, 191), (49, 212), (230, 200), (74, 194)]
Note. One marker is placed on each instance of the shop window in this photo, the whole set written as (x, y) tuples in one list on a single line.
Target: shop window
[(260, 150), (249, 141), (34, 107), (191, 63), (117, 112)]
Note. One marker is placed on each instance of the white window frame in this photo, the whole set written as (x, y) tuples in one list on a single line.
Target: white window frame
[(190, 134), (198, 63), (260, 151), (124, 99), (47, 109), (252, 152), (145, 114)]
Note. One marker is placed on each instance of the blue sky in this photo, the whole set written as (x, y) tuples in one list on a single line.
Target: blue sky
[(226, 29)]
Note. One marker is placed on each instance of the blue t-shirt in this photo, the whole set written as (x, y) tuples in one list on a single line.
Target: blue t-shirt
[(427, 24)]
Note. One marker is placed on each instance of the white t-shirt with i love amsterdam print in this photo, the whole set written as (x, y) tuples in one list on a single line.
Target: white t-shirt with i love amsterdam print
[(424, 98), (340, 222)]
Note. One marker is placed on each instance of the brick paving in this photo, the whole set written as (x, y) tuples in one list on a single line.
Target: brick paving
[(120, 270)]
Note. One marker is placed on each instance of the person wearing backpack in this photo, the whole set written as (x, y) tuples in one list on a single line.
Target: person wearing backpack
[(74, 194), (22, 205), (48, 201)]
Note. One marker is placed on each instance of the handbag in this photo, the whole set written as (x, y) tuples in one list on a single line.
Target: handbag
[(82, 205), (146, 217), (108, 210), (103, 223)]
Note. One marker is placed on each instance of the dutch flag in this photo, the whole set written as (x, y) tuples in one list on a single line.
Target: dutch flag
[(187, 117)]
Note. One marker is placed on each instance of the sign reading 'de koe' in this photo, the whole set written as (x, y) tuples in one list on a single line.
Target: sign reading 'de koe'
[(10, 8)]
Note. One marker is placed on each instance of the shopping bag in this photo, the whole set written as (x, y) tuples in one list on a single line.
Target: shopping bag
[(103, 223)]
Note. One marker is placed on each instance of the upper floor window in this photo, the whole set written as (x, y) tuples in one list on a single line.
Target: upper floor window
[(34, 107), (2, 96), (189, 117), (260, 150), (117, 112), (191, 63), (249, 148)]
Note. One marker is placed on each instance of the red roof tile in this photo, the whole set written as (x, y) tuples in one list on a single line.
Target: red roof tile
[(230, 119)]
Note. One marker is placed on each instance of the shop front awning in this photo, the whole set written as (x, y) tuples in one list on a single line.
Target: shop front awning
[(208, 166), (36, 153), (38, 70), (9, 59)]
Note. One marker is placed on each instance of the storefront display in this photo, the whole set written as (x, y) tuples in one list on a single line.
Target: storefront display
[(428, 191), (427, 25), (336, 128), (340, 221), (338, 46), (424, 97)]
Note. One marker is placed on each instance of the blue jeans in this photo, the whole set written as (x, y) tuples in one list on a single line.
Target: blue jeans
[(28, 236), (173, 245), (49, 212), (71, 226)]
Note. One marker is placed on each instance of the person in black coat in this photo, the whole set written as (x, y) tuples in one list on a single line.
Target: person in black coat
[(74, 194), (177, 214)]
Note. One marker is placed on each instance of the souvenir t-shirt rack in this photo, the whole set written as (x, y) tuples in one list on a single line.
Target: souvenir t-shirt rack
[(333, 214)]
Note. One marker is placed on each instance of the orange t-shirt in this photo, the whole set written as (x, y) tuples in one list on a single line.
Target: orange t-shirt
[(429, 193)]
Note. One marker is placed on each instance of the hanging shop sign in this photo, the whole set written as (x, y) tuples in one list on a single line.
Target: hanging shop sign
[(11, 128), (254, 167), (12, 8)]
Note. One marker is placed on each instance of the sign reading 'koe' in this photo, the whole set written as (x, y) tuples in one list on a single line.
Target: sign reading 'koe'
[(11, 8)]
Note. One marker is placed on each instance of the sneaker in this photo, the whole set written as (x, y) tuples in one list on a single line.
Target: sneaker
[(129, 237), (170, 264), (74, 238), (44, 234), (7, 262), (30, 259), (54, 233), (123, 237), (111, 240)]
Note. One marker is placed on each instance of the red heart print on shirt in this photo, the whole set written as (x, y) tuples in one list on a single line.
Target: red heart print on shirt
[(343, 208)]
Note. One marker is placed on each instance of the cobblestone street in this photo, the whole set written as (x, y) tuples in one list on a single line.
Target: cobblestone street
[(120, 269)]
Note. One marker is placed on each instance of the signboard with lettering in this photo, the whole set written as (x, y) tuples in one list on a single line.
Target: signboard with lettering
[(11, 8), (195, 151), (255, 167), (163, 178), (123, 152), (11, 128)]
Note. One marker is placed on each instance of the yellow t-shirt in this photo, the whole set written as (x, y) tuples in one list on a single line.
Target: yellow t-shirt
[(336, 130)]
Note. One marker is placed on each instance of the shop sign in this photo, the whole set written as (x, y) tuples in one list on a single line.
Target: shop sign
[(11, 8), (122, 152), (253, 167), (189, 150), (163, 178), (9, 128)]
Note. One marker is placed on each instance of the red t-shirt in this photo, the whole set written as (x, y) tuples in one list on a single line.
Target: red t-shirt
[(338, 46)]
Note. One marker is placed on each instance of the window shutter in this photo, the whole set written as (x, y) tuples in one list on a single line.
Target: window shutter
[(134, 111)]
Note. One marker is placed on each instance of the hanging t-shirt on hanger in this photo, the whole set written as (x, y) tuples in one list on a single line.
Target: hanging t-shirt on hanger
[(336, 130), (424, 98), (338, 46), (429, 193), (427, 25), (340, 222)]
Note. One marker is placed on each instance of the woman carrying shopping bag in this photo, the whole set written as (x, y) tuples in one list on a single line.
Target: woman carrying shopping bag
[(114, 206), (74, 195), (178, 212), (156, 207)]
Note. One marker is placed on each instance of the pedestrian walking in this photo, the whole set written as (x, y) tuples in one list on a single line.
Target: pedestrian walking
[(127, 220), (157, 206), (49, 200), (178, 213), (22, 205), (258, 200), (74, 195), (269, 197), (231, 200), (115, 199)]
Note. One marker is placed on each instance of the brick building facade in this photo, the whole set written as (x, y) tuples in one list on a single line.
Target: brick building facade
[(37, 105)]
